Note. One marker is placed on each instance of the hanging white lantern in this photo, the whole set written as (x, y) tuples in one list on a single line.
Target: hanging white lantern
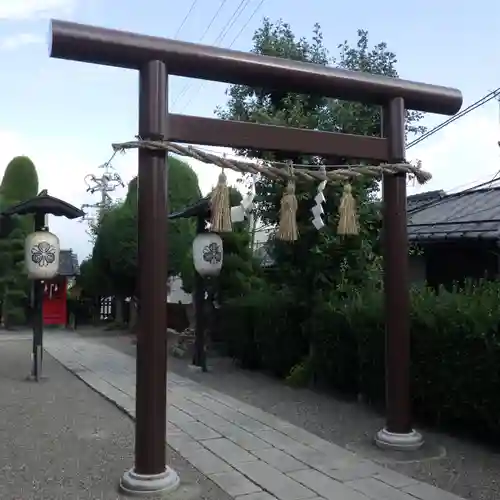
[(41, 255), (207, 254)]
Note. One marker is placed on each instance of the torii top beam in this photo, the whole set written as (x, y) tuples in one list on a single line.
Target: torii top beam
[(79, 42)]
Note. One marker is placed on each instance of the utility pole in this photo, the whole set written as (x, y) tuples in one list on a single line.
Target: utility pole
[(103, 185)]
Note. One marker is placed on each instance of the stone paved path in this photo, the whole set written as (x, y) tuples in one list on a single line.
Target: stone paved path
[(250, 454)]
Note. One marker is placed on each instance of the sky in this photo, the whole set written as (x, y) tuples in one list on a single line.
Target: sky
[(64, 115)]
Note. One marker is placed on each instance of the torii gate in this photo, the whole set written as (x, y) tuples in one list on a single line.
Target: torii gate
[(156, 58)]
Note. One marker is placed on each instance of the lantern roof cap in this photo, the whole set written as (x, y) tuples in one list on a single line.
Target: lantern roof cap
[(44, 204), (200, 208)]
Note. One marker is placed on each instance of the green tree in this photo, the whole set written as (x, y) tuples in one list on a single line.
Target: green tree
[(90, 280), (318, 260), (19, 183), (115, 249)]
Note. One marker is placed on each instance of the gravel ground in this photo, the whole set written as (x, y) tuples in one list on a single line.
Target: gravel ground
[(61, 440), (467, 469)]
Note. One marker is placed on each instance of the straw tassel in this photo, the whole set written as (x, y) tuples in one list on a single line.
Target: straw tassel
[(287, 230), (348, 221), (221, 207)]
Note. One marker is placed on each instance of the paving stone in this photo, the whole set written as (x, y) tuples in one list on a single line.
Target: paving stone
[(394, 478), (185, 445), (230, 414), (215, 406), (377, 490), (128, 407), (190, 408), (246, 409), (279, 460), (331, 458), (234, 483), (123, 382), (262, 495), (325, 486), (175, 416), (275, 482), (281, 441), (173, 396), (207, 463), (310, 456), (229, 451), (210, 395), (99, 384), (198, 431), (212, 420), (302, 436), (243, 438), (360, 470), (424, 491), (173, 430), (249, 424)]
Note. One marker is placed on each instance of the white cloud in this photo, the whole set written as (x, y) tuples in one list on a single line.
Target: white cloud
[(28, 9), (20, 40)]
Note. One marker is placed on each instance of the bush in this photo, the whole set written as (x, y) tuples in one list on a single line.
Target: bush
[(456, 356), (455, 347), (263, 330)]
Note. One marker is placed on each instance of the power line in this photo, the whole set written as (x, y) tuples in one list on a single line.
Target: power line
[(220, 38), (236, 14), (480, 102), (186, 17), (487, 98), (252, 15), (239, 11), (217, 12), (211, 22), (434, 203)]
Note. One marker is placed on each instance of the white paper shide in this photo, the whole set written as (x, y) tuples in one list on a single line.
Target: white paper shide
[(41, 255)]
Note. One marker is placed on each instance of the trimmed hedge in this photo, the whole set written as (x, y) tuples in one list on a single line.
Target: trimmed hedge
[(341, 344), (263, 332)]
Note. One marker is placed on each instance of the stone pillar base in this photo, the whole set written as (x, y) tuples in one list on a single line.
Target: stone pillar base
[(142, 485), (399, 442)]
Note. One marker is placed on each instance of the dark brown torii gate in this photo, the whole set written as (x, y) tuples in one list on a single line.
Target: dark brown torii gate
[(155, 59)]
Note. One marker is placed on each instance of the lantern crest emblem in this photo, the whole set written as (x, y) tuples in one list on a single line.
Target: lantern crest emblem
[(43, 253), (212, 253)]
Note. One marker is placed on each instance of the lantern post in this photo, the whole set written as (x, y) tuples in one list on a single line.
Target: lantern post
[(207, 260), (208, 257), (53, 251), (41, 259), (199, 355)]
